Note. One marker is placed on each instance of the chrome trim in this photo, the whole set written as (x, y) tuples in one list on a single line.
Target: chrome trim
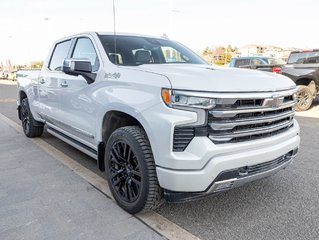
[(233, 113), (237, 94), (227, 125), (237, 182), (49, 124), (60, 124), (255, 131)]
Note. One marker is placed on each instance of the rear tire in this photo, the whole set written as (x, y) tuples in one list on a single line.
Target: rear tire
[(130, 170), (31, 127), (304, 98)]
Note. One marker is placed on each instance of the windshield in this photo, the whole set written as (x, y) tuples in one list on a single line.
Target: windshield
[(304, 57), (133, 51)]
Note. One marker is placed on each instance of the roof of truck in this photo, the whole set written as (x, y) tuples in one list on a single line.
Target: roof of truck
[(112, 33)]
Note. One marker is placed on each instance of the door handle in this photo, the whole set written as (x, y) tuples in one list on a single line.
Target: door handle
[(64, 84), (42, 81)]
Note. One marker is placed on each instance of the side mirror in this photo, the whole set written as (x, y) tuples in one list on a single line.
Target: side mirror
[(76, 67)]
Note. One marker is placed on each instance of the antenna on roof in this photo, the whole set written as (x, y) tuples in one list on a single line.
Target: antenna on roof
[(114, 32)]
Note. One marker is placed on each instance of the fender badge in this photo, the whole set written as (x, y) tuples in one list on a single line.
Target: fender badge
[(112, 75)]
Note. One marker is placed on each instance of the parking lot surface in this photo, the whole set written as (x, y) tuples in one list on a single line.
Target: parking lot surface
[(284, 206), (40, 198)]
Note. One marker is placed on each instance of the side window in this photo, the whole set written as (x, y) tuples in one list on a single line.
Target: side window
[(84, 49), (242, 62), (256, 61), (59, 53)]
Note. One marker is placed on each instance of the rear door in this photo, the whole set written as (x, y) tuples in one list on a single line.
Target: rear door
[(50, 80)]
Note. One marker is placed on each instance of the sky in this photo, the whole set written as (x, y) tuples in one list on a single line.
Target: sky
[(28, 28)]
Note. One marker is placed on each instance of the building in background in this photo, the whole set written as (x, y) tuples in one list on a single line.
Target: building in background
[(265, 50)]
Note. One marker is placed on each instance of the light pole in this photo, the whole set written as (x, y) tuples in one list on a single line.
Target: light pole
[(171, 18)]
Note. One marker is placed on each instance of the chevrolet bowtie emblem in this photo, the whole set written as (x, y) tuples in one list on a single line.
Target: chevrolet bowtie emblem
[(274, 102)]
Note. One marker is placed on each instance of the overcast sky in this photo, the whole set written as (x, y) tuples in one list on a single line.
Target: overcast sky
[(28, 27)]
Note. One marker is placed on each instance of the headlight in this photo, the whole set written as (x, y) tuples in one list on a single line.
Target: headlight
[(185, 99)]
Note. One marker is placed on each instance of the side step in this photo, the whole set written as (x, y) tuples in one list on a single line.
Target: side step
[(78, 145)]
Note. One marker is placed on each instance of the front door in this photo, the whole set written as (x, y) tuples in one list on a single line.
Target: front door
[(78, 111)]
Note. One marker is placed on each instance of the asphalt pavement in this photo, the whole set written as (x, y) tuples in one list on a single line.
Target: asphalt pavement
[(284, 206), (40, 198)]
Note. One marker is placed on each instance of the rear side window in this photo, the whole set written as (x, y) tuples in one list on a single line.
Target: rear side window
[(242, 62), (84, 49), (256, 61), (60, 52), (303, 57)]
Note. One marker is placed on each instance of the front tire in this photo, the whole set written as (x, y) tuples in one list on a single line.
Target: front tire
[(304, 98), (31, 127), (130, 170)]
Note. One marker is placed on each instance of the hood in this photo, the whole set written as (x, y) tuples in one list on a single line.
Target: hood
[(219, 79)]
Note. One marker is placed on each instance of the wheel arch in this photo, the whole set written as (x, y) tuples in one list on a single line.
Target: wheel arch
[(309, 82), (113, 120)]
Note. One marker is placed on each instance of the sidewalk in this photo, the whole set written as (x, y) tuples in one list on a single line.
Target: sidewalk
[(40, 198)]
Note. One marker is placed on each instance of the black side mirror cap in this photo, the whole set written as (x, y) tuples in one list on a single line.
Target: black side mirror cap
[(76, 67)]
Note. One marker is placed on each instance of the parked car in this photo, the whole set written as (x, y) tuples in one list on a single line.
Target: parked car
[(4, 74), (268, 64), (303, 68), (158, 119)]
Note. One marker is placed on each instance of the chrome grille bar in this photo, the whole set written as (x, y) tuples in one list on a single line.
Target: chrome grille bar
[(242, 119), (227, 125), (233, 113), (236, 134)]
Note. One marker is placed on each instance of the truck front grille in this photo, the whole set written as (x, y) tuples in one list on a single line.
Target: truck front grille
[(236, 120)]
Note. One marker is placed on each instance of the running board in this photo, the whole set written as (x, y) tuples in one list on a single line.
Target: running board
[(74, 143)]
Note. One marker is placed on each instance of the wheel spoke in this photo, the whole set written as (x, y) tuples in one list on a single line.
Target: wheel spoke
[(136, 182), (124, 146), (129, 190), (116, 160), (125, 191), (116, 182), (136, 173), (116, 153), (116, 173), (129, 155)]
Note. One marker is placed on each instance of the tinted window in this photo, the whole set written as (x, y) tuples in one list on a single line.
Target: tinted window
[(242, 62), (132, 51), (84, 49), (256, 61), (304, 57), (60, 52)]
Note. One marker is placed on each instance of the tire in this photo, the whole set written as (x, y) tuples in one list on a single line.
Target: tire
[(130, 170), (31, 127), (304, 98)]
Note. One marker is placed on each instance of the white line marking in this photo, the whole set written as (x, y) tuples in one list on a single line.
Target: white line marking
[(157, 222)]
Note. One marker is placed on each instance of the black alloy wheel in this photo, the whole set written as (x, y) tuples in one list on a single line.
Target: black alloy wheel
[(125, 174), (130, 170), (31, 127), (25, 117)]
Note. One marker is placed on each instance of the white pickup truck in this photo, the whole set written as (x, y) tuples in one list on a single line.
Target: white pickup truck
[(158, 119)]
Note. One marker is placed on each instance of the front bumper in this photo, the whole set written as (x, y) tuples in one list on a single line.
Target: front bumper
[(235, 178), (250, 154)]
